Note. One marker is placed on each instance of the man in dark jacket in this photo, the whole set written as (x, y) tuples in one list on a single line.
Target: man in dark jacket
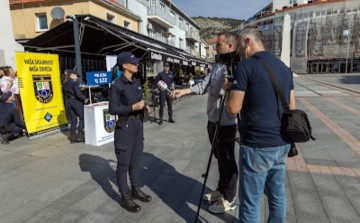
[(11, 124)]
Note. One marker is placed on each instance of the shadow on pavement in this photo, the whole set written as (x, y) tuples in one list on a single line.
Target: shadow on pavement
[(350, 79), (101, 172), (174, 189)]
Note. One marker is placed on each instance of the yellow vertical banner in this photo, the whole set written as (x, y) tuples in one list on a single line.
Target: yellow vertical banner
[(41, 93)]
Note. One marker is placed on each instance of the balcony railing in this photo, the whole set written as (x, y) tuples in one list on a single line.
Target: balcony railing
[(164, 14), (193, 35)]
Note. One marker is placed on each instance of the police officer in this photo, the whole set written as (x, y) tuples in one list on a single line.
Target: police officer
[(11, 124), (126, 101), (74, 105), (167, 76)]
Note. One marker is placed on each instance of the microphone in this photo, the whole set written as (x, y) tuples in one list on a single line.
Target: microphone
[(163, 86)]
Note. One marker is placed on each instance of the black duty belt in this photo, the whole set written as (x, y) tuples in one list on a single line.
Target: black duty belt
[(135, 117)]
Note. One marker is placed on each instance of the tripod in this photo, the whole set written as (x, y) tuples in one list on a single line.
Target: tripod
[(213, 142)]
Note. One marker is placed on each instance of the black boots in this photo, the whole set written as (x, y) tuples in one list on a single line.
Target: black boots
[(171, 120), (160, 121), (138, 194), (72, 138), (80, 137), (129, 204)]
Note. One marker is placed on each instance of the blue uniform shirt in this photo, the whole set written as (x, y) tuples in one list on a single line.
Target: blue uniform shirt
[(123, 94), (166, 77), (71, 88), (262, 110)]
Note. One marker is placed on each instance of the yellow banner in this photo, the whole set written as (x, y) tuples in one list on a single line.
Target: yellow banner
[(40, 91)]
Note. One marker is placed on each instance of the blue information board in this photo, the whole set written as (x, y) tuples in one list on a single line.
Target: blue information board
[(98, 77)]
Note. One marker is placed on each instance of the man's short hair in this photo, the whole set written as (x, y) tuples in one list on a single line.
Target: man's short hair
[(253, 32)]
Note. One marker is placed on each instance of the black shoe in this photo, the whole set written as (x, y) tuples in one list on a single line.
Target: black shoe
[(138, 194), (160, 122), (72, 138), (80, 137), (129, 204), (171, 120)]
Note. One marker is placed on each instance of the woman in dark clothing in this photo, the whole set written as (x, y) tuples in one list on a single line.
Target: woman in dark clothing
[(74, 105), (127, 102)]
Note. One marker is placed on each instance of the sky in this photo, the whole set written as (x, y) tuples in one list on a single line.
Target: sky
[(235, 9)]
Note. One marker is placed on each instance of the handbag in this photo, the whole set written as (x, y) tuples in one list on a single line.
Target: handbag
[(295, 124)]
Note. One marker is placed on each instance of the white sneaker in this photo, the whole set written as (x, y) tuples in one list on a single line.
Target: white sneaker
[(221, 206), (212, 196)]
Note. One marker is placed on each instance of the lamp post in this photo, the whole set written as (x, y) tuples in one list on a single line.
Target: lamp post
[(77, 45)]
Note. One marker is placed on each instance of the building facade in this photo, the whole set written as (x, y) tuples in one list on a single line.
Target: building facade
[(159, 20), (8, 46), (325, 37), (34, 17)]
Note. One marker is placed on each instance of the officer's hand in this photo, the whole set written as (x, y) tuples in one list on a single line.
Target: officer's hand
[(138, 106), (147, 109)]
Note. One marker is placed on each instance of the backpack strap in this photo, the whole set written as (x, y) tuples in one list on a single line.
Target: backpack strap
[(274, 82)]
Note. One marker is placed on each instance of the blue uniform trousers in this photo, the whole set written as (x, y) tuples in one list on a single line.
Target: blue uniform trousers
[(75, 109), (129, 146), (162, 98)]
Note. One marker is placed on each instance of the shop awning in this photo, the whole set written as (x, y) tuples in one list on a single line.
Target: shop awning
[(99, 37)]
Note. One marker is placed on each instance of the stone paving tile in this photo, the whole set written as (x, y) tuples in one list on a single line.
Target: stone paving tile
[(51, 180)]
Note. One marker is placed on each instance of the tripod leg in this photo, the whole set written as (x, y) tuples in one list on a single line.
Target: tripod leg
[(217, 128)]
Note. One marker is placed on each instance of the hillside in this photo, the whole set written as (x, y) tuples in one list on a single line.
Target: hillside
[(210, 27)]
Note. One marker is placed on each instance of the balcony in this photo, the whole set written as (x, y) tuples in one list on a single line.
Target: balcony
[(161, 16), (192, 35), (192, 51)]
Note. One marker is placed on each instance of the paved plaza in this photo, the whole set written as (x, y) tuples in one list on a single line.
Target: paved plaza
[(51, 180)]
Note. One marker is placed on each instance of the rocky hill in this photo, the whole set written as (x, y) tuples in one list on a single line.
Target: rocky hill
[(210, 27)]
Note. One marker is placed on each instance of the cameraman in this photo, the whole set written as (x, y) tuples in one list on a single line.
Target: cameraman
[(263, 151), (224, 144)]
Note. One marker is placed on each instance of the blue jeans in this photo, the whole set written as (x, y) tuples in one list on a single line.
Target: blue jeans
[(262, 169)]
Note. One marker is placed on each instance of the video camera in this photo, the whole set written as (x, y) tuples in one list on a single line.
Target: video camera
[(230, 60)]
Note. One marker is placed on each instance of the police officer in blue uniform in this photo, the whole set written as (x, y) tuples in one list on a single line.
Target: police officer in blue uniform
[(126, 101), (11, 125), (74, 105), (167, 76)]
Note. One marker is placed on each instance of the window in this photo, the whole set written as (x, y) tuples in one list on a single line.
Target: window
[(172, 13), (110, 18), (126, 24), (162, 6), (181, 43), (149, 66), (42, 24)]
